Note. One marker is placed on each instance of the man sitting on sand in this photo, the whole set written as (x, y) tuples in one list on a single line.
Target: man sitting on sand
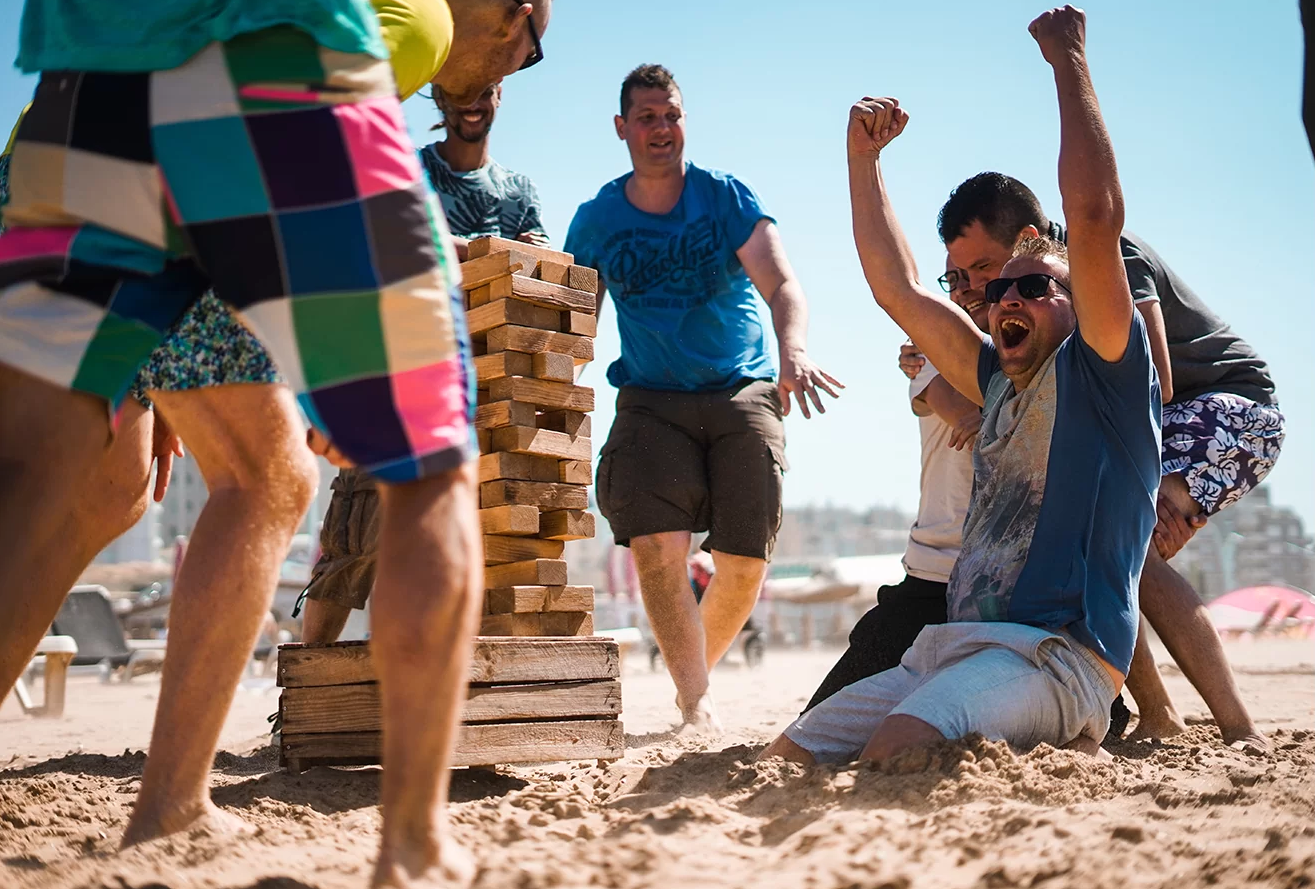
[(1043, 598)]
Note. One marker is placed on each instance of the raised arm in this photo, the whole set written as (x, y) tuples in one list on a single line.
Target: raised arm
[(945, 333), (1089, 186)]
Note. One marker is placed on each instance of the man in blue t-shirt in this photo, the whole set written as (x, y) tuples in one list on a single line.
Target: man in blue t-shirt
[(1043, 597), (698, 443)]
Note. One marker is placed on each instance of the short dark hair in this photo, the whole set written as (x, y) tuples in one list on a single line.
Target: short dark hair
[(1001, 203), (645, 77)]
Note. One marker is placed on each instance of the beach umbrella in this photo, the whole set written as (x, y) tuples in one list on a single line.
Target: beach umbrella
[(1252, 607)]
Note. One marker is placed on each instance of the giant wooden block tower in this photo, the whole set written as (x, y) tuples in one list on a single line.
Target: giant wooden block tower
[(532, 317)]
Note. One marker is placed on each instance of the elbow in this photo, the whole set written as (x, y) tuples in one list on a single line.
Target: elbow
[(1101, 214), (1166, 392)]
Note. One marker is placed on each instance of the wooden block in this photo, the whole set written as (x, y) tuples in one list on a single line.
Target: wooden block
[(536, 599), (582, 278), (521, 467), (496, 365), (567, 623), (493, 314), (573, 423), (477, 745), (544, 495), (485, 439), (579, 323), (346, 708), (484, 246), (515, 338), (503, 413), (566, 524), (475, 273), (501, 550), (510, 519), (554, 272), (347, 663), (498, 288), (575, 472), (536, 572), (544, 393), (549, 366), (542, 443), (553, 296), (561, 623)]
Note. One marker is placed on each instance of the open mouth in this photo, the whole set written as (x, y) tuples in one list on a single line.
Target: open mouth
[(661, 144), (973, 306), (1012, 332), (473, 117)]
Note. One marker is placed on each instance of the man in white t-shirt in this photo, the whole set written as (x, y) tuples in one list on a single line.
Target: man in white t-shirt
[(948, 423)]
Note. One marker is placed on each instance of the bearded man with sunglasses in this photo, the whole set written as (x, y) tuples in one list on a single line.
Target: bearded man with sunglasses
[(1043, 597)]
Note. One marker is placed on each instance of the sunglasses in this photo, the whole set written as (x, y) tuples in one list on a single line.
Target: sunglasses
[(1032, 286), (535, 57), (953, 280)]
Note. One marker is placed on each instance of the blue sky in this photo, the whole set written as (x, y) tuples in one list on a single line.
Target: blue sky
[(1202, 102)]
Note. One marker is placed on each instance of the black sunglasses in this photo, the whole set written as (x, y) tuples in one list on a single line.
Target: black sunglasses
[(535, 57), (1032, 286), (952, 281)]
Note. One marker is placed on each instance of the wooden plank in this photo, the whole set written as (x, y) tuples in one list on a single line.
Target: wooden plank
[(514, 338), (579, 323), (582, 278), (536, 572), (355, 708), (496, 365), (573, 423), (536, 599), (475, 273), (575, 472), (553, 296), (566, 524), (484, 246), (520, 467), (549, 366), (510, 519), (544, 393), (554, 272), (477, 745), (542, 443), (557, 623), (498, 312), (485, 439), (543, 495), (498, 288), (504, 413), (500, 550)]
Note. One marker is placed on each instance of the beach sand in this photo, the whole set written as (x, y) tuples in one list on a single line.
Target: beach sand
[(683, 812)]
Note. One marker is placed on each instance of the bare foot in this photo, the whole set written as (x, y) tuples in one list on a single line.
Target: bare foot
[(700, 719), (1246, 738), (1155, 725), (404, 869), (145, 826)]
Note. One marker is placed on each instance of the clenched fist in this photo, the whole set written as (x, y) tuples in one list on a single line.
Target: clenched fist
[(1061, 31), (874, 124)]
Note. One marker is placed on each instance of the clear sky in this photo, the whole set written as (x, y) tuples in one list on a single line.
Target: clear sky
[(1202, 102)]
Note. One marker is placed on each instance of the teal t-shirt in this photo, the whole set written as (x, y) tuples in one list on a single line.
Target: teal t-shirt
[(119, 35), (686, 310)]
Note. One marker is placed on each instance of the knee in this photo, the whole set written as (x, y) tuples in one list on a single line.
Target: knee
[(898, 733), (660, 550), (282, 481), (740, 569)]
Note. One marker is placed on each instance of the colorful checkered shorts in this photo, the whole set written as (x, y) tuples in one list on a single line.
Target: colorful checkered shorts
[(277, 172), (1222, 444)]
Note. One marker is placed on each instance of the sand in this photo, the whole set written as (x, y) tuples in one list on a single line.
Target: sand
[(681, 812)]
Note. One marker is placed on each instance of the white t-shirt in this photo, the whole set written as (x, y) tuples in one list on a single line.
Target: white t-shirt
[(945, 486)]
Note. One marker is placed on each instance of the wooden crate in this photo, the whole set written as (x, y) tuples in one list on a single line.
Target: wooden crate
[(529, 700)]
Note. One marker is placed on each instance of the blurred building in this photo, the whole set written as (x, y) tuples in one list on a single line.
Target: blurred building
[(810, 531)]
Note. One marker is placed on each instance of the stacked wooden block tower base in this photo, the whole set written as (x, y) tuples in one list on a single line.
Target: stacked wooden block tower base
[(532, 317)]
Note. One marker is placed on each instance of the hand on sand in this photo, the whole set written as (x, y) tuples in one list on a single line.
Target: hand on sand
[(874, 124), (320, 445), (145, 826), (1061, 33), (402, 869)]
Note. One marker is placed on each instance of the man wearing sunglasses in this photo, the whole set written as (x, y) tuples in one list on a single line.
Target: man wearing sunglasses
[(1043, 597)]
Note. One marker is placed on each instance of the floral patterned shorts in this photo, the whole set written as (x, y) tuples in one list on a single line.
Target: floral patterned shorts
[(1223, 445)]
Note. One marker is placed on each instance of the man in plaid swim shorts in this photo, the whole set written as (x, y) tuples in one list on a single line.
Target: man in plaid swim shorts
[(259, 150)]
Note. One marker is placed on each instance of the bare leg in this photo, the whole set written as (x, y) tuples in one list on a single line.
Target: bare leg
[(1156, 716), (787, 750), (674, 616), (52, 442), (427, 598), (323, 621), (898, 733), (729, 601), (249, 445)]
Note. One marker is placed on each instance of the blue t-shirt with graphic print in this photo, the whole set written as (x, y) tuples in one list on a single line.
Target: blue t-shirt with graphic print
[(687, 312), (1063, 504)]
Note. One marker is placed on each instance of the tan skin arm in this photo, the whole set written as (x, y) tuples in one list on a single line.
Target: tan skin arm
[(950, 339), (962, 416), (1154, 318)]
